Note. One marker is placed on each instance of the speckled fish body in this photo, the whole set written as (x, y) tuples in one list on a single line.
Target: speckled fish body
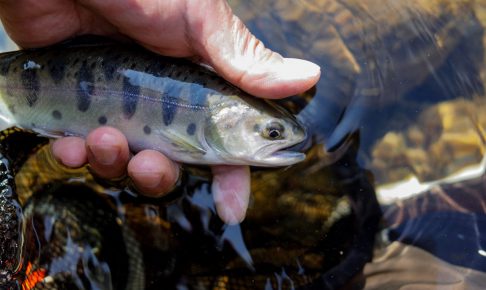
[(171, 105)]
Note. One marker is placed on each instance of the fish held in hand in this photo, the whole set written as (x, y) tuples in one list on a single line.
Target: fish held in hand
[(171, 105)]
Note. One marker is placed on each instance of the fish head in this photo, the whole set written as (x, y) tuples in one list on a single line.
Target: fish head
[(256, 133)]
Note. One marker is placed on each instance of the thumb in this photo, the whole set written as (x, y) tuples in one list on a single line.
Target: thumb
[(226, 44)]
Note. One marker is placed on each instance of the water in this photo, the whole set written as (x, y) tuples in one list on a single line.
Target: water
[(392, 193)]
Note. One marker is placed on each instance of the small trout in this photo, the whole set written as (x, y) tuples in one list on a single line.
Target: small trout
[(179, 108)]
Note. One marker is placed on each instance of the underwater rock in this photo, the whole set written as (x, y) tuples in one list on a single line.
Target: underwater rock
[(446, 138)]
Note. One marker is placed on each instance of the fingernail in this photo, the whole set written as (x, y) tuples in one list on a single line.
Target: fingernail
[(104, 154), (69, 152), (296, 69), (148, 180)]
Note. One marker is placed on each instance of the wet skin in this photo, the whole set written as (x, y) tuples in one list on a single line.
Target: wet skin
[(204, 30)]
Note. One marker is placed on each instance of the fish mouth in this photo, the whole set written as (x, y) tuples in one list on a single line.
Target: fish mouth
[(285, 158), (278, 157)]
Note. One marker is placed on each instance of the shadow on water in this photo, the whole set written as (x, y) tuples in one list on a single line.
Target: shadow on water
[(401, 98)]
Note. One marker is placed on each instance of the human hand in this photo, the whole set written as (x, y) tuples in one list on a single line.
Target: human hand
[(204, 30)]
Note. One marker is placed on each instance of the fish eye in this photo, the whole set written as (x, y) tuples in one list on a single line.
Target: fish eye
[(273, 131)]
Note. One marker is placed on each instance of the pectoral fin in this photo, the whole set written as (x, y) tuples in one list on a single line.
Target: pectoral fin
[(187, 146)]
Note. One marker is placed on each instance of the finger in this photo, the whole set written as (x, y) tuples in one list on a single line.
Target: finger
[(36, 23), (226, 44), (208, 30), (70, 151), (152, 173), (231, 192), (107, 152)]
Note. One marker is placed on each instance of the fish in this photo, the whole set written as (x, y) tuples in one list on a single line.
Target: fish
[(177, 107), (172, 105)]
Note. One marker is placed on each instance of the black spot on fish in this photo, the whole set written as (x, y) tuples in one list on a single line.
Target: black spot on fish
[(178, 74), (93, 65), (125, 59), (130, 98), (133, 65), (109, 69), (191, 129), (85, 80), (75, 62), (102, 120), (57, 69), (169, 109), (14, 69), (198, 96), (30, 82), (147, 130), (56, 115)]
